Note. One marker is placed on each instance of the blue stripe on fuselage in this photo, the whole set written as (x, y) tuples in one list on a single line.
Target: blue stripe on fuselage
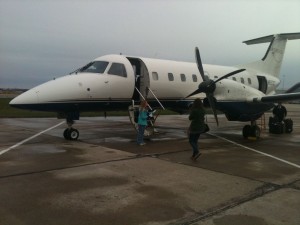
[(234, 111)]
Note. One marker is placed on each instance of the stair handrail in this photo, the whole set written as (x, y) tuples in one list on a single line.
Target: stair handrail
[(156, 98)]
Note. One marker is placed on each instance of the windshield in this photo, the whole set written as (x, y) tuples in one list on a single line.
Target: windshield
[(94, 67)]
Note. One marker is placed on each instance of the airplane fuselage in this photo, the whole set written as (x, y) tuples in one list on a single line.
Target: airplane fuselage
[(112, 88)]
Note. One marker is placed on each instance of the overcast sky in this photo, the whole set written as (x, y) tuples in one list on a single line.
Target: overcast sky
[(41, 39)]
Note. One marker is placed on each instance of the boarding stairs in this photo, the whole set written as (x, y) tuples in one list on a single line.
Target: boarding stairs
[(133, 111)]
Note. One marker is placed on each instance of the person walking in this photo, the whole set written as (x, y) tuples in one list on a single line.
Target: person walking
[(197, 126), (142, 122)]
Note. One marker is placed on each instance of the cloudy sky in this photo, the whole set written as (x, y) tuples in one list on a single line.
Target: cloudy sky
[(43, 39)]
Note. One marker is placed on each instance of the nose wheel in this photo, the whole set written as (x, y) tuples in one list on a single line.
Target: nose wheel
[(71, 134)]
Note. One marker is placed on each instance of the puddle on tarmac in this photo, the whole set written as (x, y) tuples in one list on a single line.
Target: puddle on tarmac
[(44, 149), (116, 139)]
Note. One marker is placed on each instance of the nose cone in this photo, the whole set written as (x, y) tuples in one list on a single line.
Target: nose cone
[(25, 100)]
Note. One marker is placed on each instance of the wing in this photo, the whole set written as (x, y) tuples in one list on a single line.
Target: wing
[(278, 98)]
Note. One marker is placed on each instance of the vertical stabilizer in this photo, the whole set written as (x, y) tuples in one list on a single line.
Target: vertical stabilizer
[(271, 62)]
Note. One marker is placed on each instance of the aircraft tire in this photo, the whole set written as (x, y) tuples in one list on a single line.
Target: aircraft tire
[(67, 134), (71, 134), (246, 131)]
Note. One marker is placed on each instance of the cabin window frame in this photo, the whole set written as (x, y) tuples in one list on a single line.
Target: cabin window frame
[(194, 78), (183, 77), (155, 76), (249, 80), (170, 76)]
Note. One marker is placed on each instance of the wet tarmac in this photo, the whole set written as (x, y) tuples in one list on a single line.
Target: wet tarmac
[(105, 178)]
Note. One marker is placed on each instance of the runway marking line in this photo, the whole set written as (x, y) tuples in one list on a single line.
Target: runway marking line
[(251, 149), (30, 138)]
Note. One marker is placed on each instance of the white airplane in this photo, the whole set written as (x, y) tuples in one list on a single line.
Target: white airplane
[(117, 82)]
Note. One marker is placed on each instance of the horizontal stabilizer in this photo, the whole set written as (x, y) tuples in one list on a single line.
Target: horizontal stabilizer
[(294, 89), (269, 38), (278, 98)]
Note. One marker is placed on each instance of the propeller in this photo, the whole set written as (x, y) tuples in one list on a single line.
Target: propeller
[(208, 86)]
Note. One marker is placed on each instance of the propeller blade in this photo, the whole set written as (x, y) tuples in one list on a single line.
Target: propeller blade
[(229, 74), (213, 107), (200, 68), (199, 63), (194, 93)]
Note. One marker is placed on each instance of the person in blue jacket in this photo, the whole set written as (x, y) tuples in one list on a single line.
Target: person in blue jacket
[(142, 122)]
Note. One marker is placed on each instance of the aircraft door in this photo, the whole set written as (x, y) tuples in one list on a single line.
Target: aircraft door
[(263, 84), (141, 78)]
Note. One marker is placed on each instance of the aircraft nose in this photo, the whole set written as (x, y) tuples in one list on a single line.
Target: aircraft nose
[(25, 100)]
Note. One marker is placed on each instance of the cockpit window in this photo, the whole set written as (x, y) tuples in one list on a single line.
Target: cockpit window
[(117, 69), (94, 67)]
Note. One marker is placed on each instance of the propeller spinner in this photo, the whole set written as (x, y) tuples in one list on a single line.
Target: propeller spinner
[(208, 86)]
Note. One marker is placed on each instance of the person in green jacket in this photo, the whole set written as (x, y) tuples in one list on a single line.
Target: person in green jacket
[(197, 126)]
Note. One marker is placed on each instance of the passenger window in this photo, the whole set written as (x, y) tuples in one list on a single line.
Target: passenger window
[(155, 75), (94, 67), (249, 81), (183, 78), (170, 76), (194, 77), (242, 80), (216, 77), (233, 78), (117, 69)]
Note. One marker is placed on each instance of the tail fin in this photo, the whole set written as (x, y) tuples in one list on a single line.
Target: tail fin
[(271, 62)]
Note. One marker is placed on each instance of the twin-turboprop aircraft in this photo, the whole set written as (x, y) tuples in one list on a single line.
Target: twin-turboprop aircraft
[(119, 82)]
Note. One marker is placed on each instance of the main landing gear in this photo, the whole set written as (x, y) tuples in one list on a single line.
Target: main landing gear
[(251, 131), (71, 133)]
